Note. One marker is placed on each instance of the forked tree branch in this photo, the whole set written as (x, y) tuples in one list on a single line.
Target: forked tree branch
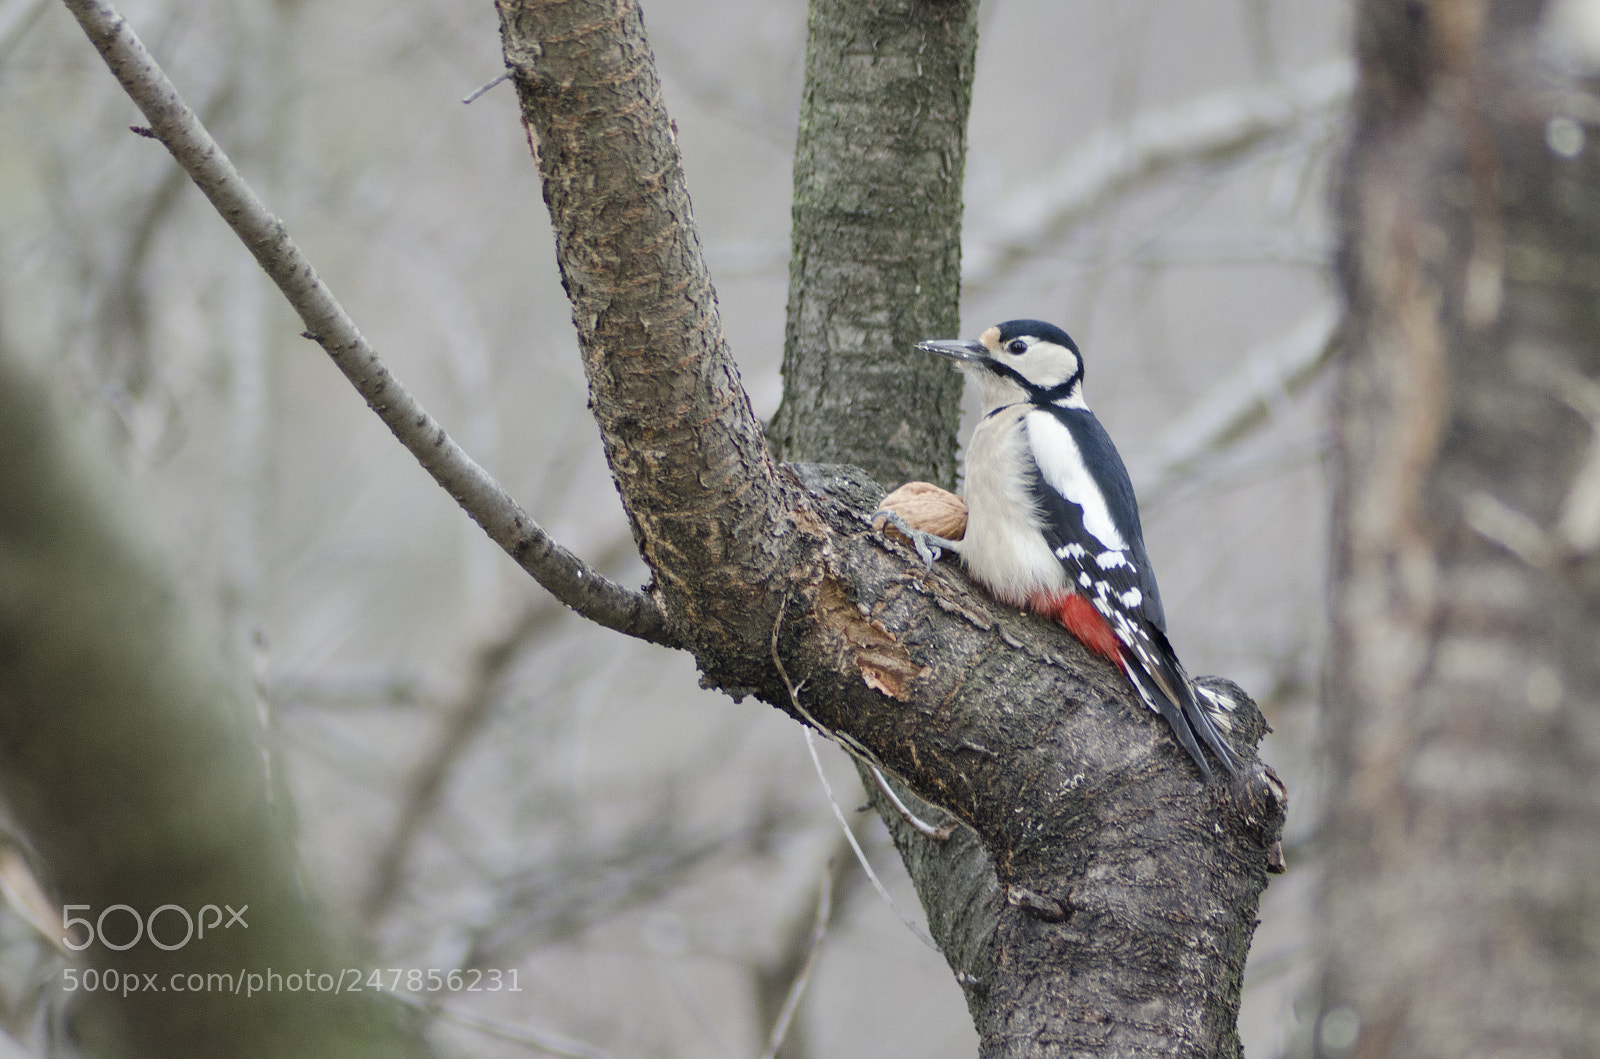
[(566, 576), (992, 716)]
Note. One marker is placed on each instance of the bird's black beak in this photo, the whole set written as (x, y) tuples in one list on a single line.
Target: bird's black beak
[(964, 350)]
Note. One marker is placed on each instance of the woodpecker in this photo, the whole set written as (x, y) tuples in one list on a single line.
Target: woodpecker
[(1053, 524)]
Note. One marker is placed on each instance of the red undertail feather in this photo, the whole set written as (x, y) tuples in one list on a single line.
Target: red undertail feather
[(1081, 620)]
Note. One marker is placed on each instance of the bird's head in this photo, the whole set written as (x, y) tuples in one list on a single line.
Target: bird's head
[(1019, 360)]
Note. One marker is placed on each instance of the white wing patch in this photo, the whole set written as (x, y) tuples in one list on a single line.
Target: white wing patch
[(1061, 464)]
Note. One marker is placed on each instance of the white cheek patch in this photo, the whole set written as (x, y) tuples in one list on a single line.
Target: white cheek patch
[(1061, 464), (1050, 365)]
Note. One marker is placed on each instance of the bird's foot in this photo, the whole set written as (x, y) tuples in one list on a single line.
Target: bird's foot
[(929, 546)]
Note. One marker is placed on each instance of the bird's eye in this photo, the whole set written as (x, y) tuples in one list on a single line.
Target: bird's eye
[(1017, 345)]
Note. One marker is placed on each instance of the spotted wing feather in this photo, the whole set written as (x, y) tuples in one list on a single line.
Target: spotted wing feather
[(1091, 521)]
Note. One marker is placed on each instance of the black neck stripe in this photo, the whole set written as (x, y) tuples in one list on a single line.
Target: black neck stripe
[(1037, 395)]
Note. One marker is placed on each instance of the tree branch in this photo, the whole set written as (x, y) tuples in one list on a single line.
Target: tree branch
[(688, 455), (461, 721), (176, 126), (797, 989)]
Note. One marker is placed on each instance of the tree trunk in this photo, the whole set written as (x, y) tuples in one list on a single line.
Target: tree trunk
[(876, 258), (1130, 885), (1461, 907)]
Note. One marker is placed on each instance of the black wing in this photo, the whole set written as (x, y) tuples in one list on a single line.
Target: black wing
[(1091, 521)]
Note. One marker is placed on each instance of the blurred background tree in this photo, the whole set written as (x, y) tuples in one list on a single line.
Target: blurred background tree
[(1459, 907), (491, 781)]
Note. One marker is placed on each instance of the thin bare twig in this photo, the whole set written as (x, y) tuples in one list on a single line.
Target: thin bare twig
[(504, 75), (569, 894), (124, 312), (850, 745), (797, 989), (459, 723), (775, 977), (917, 824), (865, 756), (861, 856), (846, 742), (566, 576)]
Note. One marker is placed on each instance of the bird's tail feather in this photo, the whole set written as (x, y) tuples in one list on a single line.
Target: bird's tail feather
[(1164, 706), (1167, 689)]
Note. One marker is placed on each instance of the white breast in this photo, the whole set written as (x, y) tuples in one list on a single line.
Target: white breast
[(1003, 548)]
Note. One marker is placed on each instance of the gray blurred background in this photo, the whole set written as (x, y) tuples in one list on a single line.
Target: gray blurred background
[(487, 780)]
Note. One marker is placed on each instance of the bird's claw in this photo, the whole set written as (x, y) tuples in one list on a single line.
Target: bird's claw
[(929, 547)]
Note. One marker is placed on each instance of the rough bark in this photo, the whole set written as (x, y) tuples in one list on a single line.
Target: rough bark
[(140, 775), (1461, 908), (1132, 885), (875, 268), (875, 264)]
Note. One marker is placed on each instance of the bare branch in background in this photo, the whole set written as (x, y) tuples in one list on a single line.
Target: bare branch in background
[(860, 854), (567, 577), (542, 1041), (123, 342), (563, 898), (775, 978), (1207, 129), (459, 723), (1269, 375), (797, 989)]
